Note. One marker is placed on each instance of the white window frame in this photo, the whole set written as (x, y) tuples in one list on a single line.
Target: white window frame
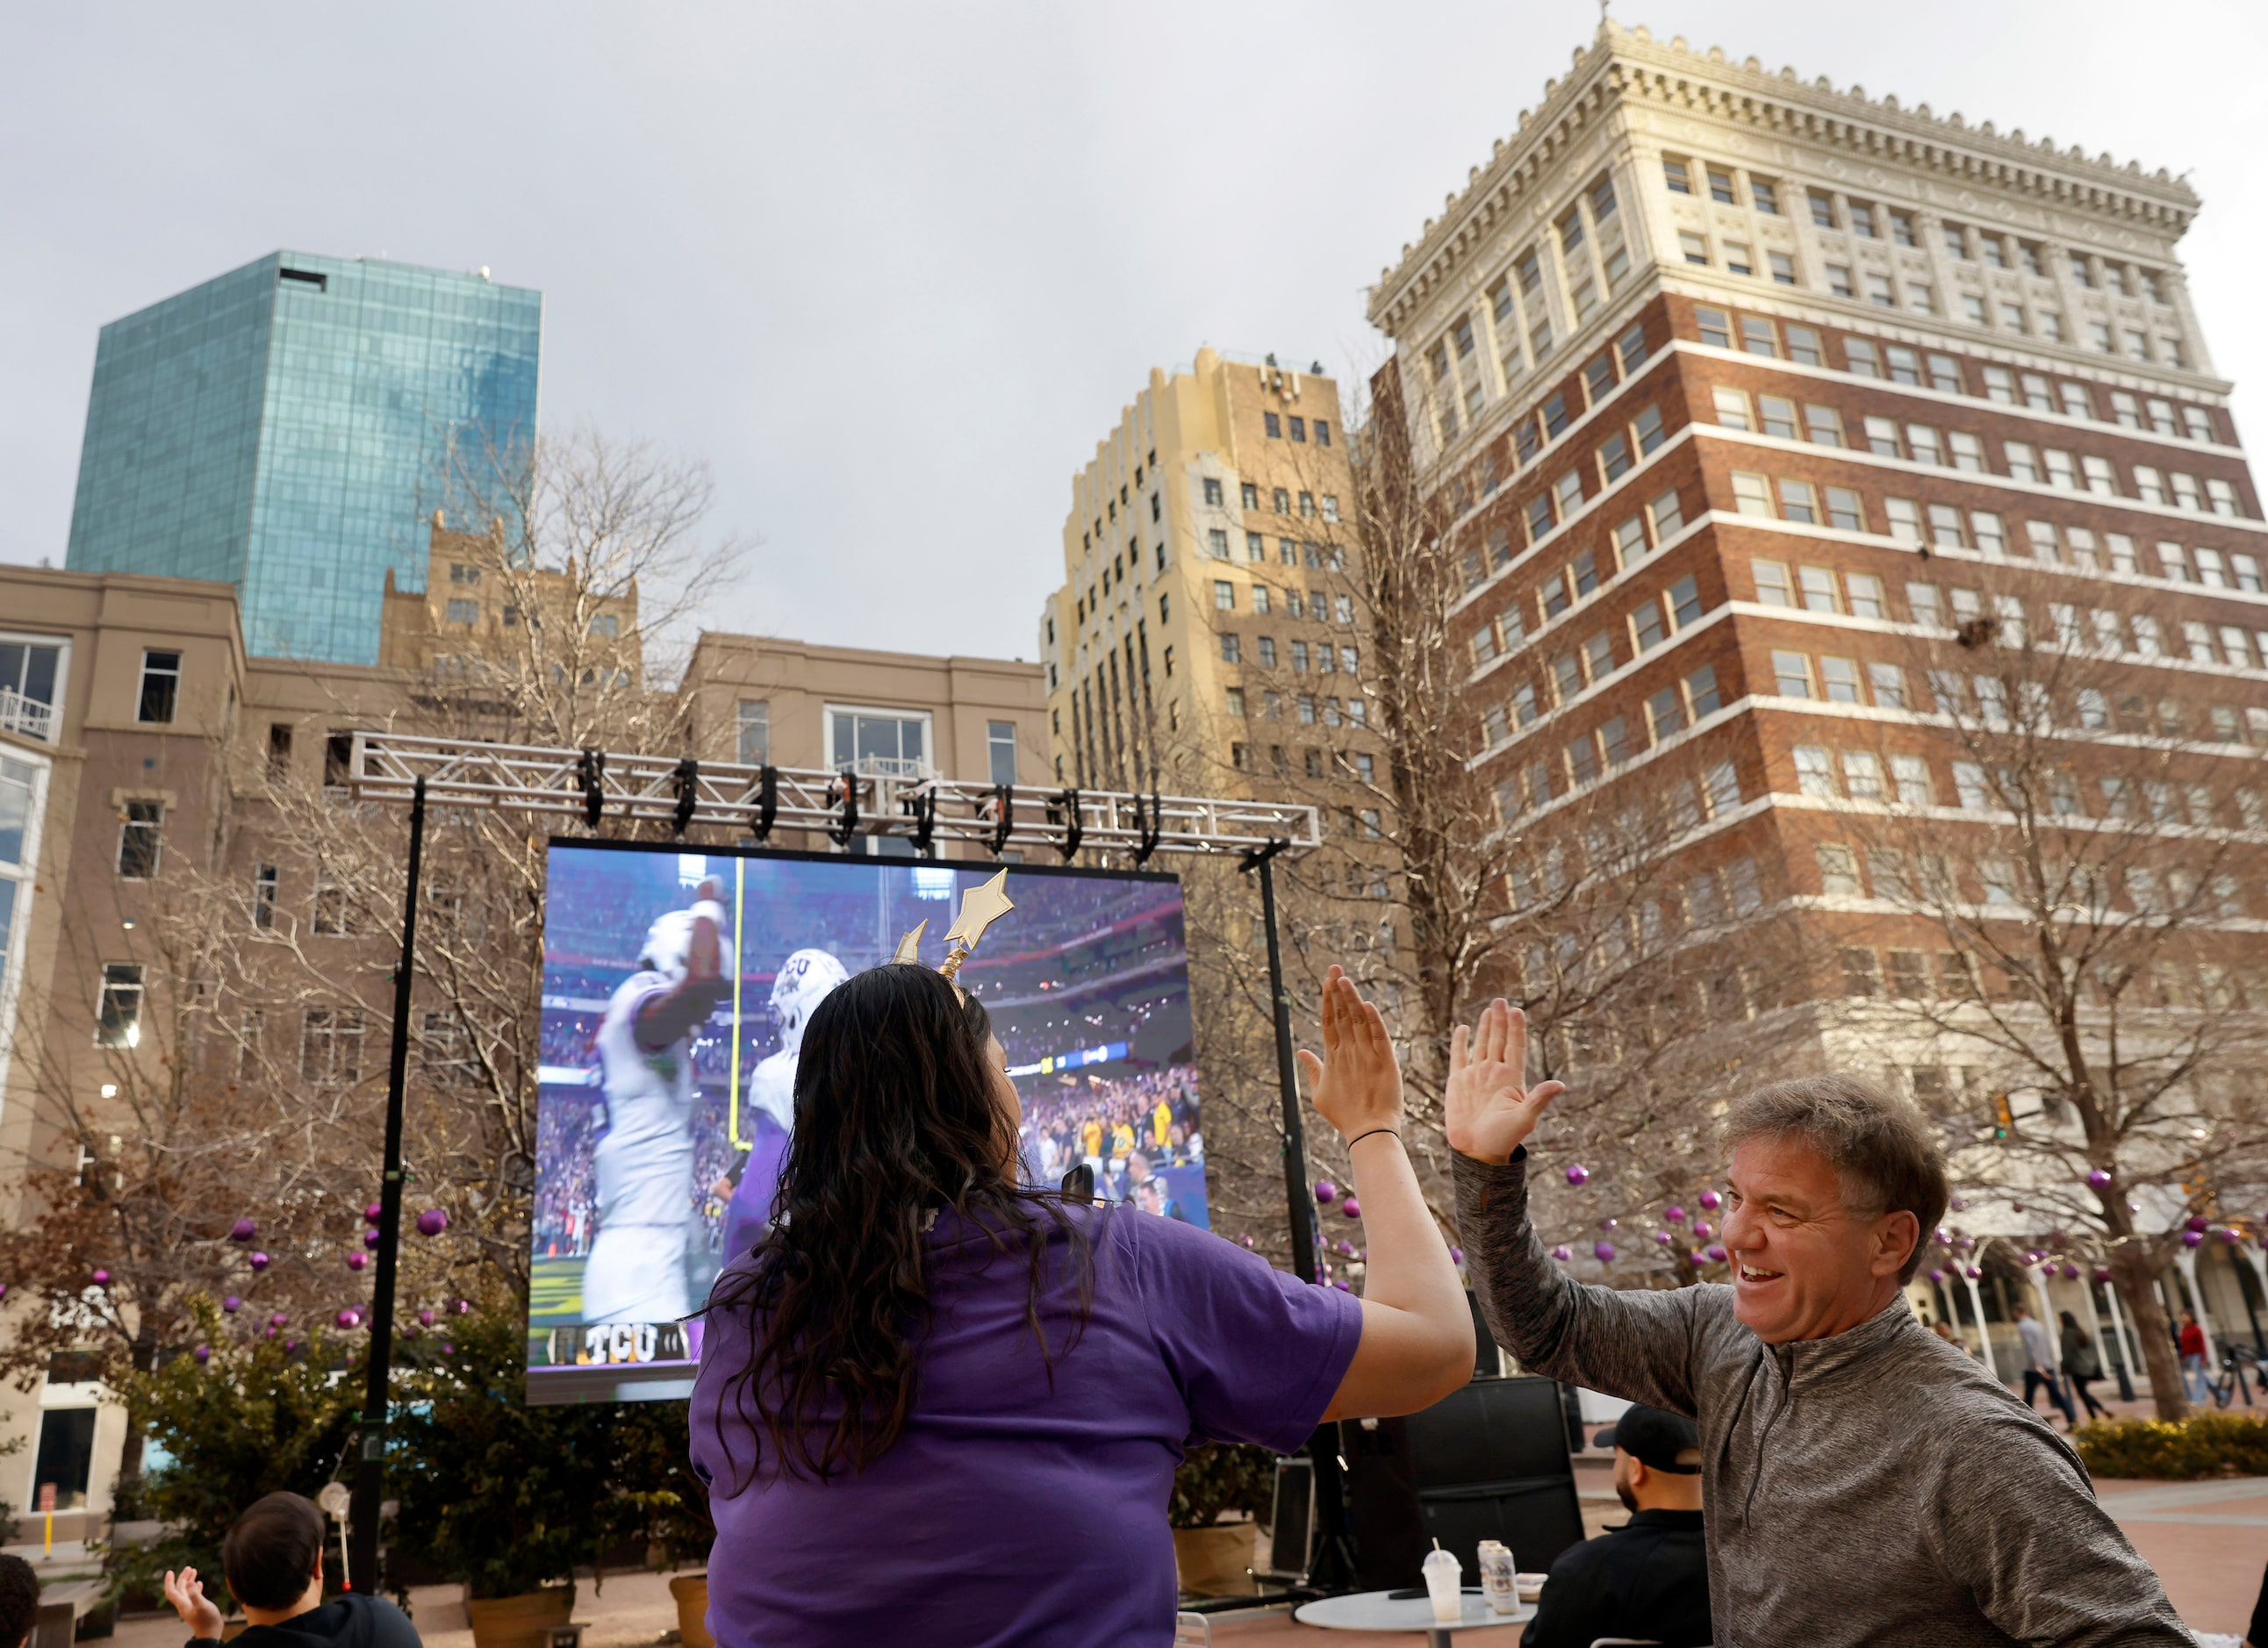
[(894, 713), (61, 644), (26, 875)]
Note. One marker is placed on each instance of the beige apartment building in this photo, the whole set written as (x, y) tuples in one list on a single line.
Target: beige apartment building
[(1208, 634)]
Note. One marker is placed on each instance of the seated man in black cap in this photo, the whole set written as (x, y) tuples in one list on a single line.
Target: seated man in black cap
[(1648, 1579)]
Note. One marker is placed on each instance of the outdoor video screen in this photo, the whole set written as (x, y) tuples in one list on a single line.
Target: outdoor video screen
[(654, 1166)]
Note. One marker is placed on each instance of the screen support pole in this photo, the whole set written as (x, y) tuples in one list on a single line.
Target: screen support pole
[(1332, 1567), (370, 1471)]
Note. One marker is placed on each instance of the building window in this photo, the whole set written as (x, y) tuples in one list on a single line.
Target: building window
[(118, 1018), (263, 897), (331, 1046), (884, 743), (1000, 745), (1217, 543), (1783, 268), (464, 612), (161, 687), (1274, 424), (139, 836), (1695, 247), (28, 673), (1765, 195), (1675, 174), (1232, 649), (1212, 493), (1223, 595), (1235, 701), (1822, 210)]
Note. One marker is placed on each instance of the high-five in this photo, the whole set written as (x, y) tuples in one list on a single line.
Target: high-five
[(1489, 1109)]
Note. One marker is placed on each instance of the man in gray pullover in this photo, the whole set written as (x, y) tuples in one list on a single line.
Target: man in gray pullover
[(1866, 1482)]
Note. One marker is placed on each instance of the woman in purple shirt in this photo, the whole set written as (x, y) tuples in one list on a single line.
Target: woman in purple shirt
[(937, 1406)]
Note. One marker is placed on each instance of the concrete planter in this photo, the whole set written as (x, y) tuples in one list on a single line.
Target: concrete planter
[(691, 1593), (1211, 1561)]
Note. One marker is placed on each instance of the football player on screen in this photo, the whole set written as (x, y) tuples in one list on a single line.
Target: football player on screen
[(643, 1166), (804, 981)]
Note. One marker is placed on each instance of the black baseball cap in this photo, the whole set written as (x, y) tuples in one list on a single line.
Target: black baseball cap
[(1655, 1439)]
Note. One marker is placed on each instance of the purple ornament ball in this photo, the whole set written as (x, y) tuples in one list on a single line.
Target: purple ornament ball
[(1456, 1256), (371, 1239), (1674, 1213), (433, 1222), (1605, 1251), (357, 1260), (1578, 1174), (2099, 1179), (272, 1332), (290, 1345), (1702, 1228), (463, 1306), (203, 1353), (1608, 1224), (2196, 1223), (2193, 1238), (102, 1278), (1959, 1204), (1937, 1276), (3, 1290), (2229, 1236), (243, 1230), (232, 1304), (1352, 1208), (1716, 1252), (349, 1319), (258, 1261), (1973, 1273), (374, 1212), (409, 1331), (1341, 1287), (1326, 1192), (447, 1349), (1563, 1253), (425, 1317), (1664, 1238), (2102, 1274), (1711, 1200)]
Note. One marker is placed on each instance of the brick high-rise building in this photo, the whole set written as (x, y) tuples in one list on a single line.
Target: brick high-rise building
[(1743, 397)]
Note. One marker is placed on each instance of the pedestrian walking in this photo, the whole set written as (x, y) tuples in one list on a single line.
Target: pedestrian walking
[(2040, 1363), (2196, 1367), (2081, 1366)]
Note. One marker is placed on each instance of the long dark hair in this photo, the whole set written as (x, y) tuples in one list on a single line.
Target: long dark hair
[(895, 1118)]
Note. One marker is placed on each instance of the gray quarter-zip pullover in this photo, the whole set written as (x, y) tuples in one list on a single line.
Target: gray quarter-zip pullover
[(1875, 1487)]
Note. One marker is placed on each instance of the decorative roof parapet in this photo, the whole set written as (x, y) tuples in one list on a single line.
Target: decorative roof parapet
[(1623, 64)]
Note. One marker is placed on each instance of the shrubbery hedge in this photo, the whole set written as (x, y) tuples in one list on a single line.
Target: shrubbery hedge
[(2206, 1444)]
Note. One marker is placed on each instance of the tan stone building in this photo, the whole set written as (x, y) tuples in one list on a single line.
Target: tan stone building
[(1207, 637)]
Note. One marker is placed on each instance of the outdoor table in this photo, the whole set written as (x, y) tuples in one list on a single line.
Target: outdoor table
[(1397, 1610)]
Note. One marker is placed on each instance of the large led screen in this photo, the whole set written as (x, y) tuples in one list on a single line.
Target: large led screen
[(653, 1167)]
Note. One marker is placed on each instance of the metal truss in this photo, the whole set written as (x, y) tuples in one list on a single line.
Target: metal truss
[(595, 785)]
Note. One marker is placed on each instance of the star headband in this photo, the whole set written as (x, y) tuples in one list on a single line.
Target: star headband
[(980, 907)]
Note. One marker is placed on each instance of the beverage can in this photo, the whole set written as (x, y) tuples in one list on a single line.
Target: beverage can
[(1497, 1578)]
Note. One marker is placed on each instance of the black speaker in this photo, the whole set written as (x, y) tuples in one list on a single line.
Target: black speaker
[(1490, 1461)]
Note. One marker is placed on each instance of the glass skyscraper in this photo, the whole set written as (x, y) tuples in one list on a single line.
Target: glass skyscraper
[(290, 427)]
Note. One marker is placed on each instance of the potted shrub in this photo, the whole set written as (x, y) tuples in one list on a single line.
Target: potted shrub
[(652, 1467), (1213, 1557), (506, 1499)]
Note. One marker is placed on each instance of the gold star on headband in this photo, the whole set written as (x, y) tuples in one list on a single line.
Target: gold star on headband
[(980, 907)]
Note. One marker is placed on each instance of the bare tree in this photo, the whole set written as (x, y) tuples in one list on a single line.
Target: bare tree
[(2065, 927)]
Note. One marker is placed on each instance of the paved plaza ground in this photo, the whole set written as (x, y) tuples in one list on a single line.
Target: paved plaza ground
[(2207, 1540)]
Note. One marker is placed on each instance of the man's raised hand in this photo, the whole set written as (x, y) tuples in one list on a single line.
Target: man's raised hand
[(1489, 1109), (1356, 1085)]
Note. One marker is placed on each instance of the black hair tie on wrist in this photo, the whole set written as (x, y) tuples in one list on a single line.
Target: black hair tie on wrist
[(1359, 1137)]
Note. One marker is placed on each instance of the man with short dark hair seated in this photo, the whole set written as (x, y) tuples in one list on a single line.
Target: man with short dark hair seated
[(273, 1560), (20, 1602), (1647, 1580)]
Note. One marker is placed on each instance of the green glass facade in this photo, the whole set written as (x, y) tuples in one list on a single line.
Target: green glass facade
[(290, 428)]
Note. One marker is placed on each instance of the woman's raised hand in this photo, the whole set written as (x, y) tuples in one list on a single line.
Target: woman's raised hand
[(1489, 1109), (1357, 1084)]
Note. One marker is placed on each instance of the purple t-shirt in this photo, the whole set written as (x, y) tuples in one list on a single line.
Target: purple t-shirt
[(1011, 1510)]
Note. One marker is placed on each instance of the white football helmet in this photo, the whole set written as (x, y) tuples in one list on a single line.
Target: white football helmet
[(804, 981), (669, 941)]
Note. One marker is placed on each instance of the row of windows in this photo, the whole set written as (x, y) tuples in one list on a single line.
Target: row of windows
[(1309, 708), (1088, 539), (1317, 764), (1910, 977), (1568, 585), (1327, 658), (1520, 307), (1288, 553), (1934, 368), (1125, 567), (1295, 603), (1279, 499), (1277, 426), (1702, 900), (1617, 739)]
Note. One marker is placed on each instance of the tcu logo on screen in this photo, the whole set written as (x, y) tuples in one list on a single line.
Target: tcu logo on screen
[(633, 1341)]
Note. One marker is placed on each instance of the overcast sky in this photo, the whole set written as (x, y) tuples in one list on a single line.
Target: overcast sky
[(894, 269)]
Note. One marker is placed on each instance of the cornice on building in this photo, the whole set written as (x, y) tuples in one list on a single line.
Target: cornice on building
[(1626, 66)]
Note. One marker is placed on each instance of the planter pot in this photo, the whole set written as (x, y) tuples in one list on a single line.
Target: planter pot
[(519, 1621), (691, 1592), (1211, 1561)]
